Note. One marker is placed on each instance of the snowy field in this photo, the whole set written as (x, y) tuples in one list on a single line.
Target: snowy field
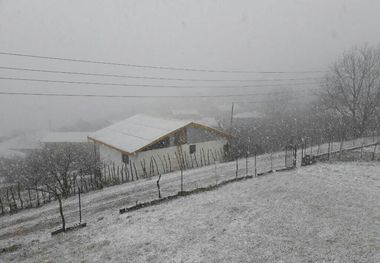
[(320, 213)]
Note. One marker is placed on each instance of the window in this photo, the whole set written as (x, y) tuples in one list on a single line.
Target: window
[(125, 158), (192, 148), (164, 143)]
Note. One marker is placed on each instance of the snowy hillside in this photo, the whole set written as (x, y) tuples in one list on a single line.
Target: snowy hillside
[(322, 213)]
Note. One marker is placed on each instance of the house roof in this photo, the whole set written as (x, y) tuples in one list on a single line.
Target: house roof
[(23, 142), (62, 137), (139, 131)]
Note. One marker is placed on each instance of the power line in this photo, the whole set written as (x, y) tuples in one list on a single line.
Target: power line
[(122, 96), (159, 67), (265, 101), (156, 78), (154, 86), (269, 101)]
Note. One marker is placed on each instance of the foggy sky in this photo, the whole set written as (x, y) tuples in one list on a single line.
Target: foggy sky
[(282, 35)]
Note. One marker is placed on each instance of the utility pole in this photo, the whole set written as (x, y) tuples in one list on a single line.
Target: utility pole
[(232, 116)]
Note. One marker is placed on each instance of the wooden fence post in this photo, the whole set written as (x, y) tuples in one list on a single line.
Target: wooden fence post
[(19, 195), (80, 207), (319, 146), (30, 198), (131, 171), (374, 153), (181, 180), (311, 146), (286, 156), (246, 164), (361, 151), (271, 160), (162, 164), (166, 164), (37, 196), (1, 205), (134, 167), (158, 186), (328, 154), (126, 172), (13, 198), (8, 201), (170, 163), (237, 166)]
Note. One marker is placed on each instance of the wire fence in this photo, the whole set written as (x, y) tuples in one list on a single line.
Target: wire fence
[(209, 168)]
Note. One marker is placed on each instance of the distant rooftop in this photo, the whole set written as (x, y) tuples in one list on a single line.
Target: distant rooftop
[(5, 153), (23, 142), (19, 145), (62, 137)]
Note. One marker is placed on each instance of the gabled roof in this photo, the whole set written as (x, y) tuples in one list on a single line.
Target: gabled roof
[(139, 131)]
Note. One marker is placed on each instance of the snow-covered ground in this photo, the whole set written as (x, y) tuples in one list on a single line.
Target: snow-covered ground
[(325, 212)]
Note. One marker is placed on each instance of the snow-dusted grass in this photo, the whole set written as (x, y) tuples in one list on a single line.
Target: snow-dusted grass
[(324, 212)]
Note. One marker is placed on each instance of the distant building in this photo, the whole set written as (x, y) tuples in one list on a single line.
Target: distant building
[(62, 138), (149, 144), (22, 145)]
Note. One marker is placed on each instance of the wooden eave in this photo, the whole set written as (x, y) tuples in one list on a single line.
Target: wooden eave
[(109, 145)]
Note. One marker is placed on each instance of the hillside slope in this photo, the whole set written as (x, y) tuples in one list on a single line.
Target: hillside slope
[(324, 212)]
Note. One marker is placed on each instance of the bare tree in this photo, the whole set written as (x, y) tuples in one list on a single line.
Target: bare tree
[(63, 163), (54, 168), (352, 88)]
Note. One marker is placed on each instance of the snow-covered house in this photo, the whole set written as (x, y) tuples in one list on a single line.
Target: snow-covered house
[(149, 144)]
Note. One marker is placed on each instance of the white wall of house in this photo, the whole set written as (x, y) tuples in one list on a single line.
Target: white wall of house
[(167, 159), (206, 153), (109, 156)]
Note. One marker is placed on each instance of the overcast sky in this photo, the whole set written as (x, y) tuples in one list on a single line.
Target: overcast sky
[(270, 35)]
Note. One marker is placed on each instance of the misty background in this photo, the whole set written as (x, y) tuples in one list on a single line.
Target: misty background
[(271, 35)]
